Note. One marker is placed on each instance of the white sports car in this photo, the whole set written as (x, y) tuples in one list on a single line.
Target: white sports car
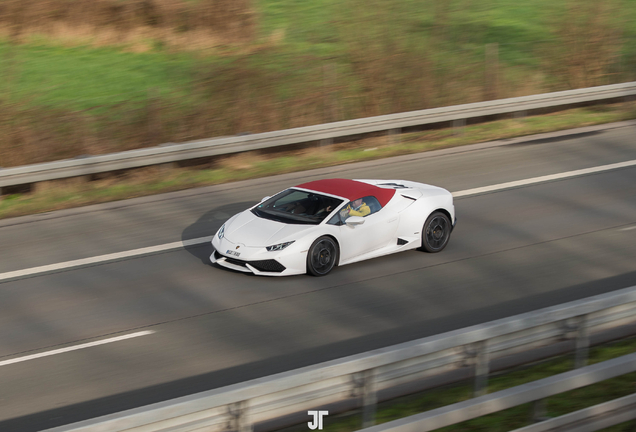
[(313, 227)]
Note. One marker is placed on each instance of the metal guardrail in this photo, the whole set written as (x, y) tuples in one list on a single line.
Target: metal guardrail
[(164, 154), (530, 392), (361, 377), (596, 417)]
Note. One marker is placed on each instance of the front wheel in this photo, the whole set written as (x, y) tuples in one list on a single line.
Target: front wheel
[(322, 256), (436, 232)]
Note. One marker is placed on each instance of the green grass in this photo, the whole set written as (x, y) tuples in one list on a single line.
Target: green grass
[(511, 418), (85, 77), (516, 26)]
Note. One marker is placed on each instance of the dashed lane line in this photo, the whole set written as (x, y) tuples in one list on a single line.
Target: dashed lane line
[(102, 258), (75, 347), (543, 179)]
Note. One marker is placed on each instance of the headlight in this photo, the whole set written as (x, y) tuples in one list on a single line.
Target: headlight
[(221, 232), (279, 246)]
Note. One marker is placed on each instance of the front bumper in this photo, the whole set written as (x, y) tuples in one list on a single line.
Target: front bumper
[(262, 267), (257, 260)]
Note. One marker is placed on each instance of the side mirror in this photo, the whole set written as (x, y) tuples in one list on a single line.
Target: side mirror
[(354, 220), (265, 198)]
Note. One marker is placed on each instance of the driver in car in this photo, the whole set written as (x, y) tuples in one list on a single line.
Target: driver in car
[(356, 208)]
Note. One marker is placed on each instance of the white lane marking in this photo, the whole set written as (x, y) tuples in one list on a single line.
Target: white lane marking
[(542, 179), (628, 228), (103, 258), (177, 245), (75, 347)]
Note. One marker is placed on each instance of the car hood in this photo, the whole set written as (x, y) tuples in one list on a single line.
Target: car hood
[(248, 229)]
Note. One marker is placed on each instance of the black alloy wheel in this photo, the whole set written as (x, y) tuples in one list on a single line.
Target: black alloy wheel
[(322, 256), (436, 232)]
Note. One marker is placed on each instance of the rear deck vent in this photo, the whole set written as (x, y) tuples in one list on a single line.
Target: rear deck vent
[(394, 185)]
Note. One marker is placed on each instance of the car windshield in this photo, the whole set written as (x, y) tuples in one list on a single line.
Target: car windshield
[(297, 207)]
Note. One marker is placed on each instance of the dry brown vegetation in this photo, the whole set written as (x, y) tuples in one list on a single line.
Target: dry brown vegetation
[(589, 35), (396, 72), (228, 99), (179, 23)]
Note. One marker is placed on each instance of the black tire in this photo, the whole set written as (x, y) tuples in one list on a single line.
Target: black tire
[(322, 256), (436, 232)]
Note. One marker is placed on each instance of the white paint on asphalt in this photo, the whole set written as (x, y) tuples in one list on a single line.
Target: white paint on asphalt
[(628, 228), (543, 179), (178, 245), (75, 347), (102, 258)]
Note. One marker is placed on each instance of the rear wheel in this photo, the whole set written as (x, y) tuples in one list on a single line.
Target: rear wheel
[(436, 232), (322, 256)]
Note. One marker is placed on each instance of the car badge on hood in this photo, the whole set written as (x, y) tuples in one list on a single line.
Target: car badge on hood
[(238, 247)]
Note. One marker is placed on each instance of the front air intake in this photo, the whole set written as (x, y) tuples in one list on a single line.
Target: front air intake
[(235, 261), (271, 266)]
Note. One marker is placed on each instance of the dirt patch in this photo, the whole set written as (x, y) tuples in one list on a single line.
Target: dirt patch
[(179, 23)]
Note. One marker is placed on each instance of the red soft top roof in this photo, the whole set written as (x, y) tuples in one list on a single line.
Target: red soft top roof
[(350, 189)]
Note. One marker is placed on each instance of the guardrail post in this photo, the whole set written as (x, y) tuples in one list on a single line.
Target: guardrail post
[(539, 411), (364, 387), (168, 166), (577, 329), (518, 115), (239, 417), (394, 136), (582, 343), (326, 142), (478, 353), (458, 126), (369, 399)]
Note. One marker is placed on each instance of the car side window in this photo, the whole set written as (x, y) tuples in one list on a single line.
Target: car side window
[(373, 203), (359, 207), (335, 220)]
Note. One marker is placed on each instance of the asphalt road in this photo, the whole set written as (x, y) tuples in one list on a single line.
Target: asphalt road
[(513, 251)]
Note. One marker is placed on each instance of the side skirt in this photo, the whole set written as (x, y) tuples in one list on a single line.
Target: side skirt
[(387, 250)]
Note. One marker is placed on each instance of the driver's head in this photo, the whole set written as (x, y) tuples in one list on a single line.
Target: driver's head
[(357, 202)]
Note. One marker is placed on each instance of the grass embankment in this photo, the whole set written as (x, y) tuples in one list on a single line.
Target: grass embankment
[(513, 418), (70, 193), (167, 73)]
